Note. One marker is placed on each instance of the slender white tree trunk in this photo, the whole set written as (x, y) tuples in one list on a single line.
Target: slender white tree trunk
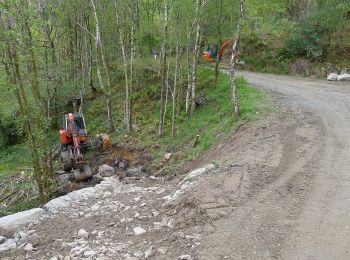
[(176, 70), (234, 98), (122, 46), (164, 74), (99, 52), (132, 60), (195, 58)]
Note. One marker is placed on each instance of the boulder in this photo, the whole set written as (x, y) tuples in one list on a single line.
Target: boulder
[(63, 178), (8, 244), (105, 170), (332, 77), (10, 224), (134, 171), (2, 239), (343, 77)]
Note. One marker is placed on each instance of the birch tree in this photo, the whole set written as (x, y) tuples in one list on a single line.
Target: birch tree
[(176, 70), (164, 71), (195, 57), (234, 97), (132, 60), (127, 112), (100, 55)]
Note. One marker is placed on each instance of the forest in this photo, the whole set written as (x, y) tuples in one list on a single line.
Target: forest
[(136, 70)]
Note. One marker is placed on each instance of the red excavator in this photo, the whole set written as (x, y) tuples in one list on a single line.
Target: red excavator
[(74, 140), (212, 53)]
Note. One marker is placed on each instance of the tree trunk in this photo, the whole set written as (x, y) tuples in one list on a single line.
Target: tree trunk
[(176, 71), (234, 98), (132, 62), (195, 58), (164, 85), (100, 54), (122, 46), (220, 16)]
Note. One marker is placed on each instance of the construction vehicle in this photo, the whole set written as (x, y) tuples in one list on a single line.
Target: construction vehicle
[(74, 140), (213, 51)]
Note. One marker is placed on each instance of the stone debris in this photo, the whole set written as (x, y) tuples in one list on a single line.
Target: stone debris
[(8, 244), (168, 156), (90, 253), (149, 252), (2, 239), (163, 250), (120, 216), (105, 170), (12, 223), (83, 234), (28, 247), (188, 182), (134, 171), (138, 231)]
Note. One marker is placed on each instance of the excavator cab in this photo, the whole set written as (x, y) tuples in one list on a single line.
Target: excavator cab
[(66, 132)]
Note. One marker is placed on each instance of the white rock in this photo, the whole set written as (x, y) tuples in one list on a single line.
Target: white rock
[(343, 77), (168, 156), (138, 231), (185, 257), (332, 77), (9, 224), (90, 253), (155, 213), (163, 250), (8, 244), (28, 247), (188, 182), (30, 232), (82, 233), (149, 252), (95, 207), (136, 215), (20, 237), (171, 223), (107, 194)]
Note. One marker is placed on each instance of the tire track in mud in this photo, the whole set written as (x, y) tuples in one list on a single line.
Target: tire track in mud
[(262, 220)]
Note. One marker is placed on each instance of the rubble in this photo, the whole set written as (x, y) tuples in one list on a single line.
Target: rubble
[(8, 244), (10, 224), (138, 231), (105, 170), (83, 234)]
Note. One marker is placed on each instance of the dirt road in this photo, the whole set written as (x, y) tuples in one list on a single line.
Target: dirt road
[(280, 190), (303, 211)]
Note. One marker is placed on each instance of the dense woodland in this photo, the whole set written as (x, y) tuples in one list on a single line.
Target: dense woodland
[(128, 53)]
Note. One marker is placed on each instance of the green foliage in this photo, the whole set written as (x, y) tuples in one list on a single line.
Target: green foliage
[(304, 43)]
